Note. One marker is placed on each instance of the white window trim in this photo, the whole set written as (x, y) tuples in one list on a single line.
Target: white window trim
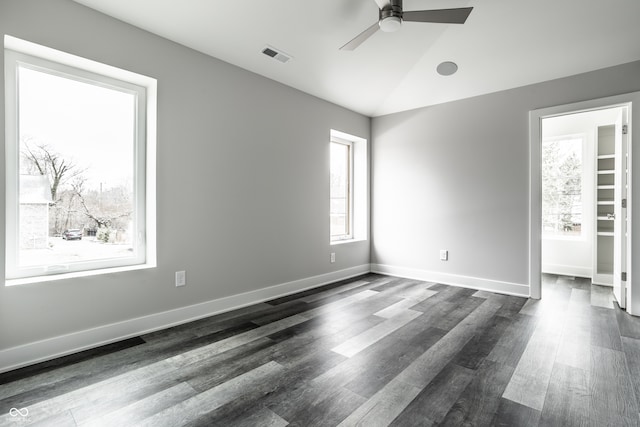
[(36, 56), (359, 200), (349, 234)]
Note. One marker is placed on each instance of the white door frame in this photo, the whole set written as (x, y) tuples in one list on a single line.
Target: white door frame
[(535, 187)]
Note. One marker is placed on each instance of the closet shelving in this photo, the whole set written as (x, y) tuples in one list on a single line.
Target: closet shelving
[(605, 212)]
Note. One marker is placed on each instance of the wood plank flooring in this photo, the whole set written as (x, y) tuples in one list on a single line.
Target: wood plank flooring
[(370, 351)]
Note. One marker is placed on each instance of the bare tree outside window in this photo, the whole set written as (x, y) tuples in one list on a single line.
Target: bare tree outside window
[(562, 187), (43, 160), (80, 137)]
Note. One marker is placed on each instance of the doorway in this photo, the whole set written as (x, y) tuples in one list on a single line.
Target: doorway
[(579, 228), (578, 184)]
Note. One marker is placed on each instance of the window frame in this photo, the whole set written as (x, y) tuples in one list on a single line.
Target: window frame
[(19, 53), (350, 181)]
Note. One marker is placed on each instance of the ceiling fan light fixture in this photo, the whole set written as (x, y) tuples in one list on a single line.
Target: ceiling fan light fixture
[(390, 24)]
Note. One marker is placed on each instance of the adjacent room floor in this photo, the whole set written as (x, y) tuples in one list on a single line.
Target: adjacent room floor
[(370, 351)]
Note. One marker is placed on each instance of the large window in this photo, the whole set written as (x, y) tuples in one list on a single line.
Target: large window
[(562, 170), (341, 178), (77, 169)]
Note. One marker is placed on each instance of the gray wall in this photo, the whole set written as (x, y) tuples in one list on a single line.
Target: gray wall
[(242, 199), (456, 176)]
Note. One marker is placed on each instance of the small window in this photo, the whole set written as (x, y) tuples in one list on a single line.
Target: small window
[(341, 183), (562, 170), (76, 169), (349, 188)]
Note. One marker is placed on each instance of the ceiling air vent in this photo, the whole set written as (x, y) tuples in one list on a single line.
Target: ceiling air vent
[(274, 53)]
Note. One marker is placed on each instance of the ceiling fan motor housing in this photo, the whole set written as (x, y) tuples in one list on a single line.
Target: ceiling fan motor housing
[(390, 17)]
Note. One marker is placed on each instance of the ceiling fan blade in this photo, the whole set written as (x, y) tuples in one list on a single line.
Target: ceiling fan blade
[(382, 3), (443, 16), (360, 38)]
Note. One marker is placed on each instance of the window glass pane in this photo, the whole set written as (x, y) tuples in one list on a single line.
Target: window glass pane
[(338, 225), (562, 187), (338, 206), (76, 164), (340, 180)]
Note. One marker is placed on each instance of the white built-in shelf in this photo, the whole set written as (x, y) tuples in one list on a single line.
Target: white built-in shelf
[(606, 186)]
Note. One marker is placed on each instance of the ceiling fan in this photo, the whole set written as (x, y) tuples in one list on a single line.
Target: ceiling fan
[(391, 17)]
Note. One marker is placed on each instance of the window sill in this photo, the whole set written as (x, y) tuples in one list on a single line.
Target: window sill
[(342, 242), (76, 274)]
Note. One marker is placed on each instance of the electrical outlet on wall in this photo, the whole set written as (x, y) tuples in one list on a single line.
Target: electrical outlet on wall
[(181, 278), (332, 258), (444, 255)]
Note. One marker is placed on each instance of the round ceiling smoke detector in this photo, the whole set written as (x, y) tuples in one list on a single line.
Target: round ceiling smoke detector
[(390, 24), (447, 68)]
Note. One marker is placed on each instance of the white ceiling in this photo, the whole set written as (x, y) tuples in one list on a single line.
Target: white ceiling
[(503, 44)]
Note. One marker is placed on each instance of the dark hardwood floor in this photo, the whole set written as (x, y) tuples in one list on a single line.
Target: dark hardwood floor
[(371, 351)]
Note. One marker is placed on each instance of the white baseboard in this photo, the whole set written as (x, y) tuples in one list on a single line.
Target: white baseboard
[(454, 280), (39, 351)]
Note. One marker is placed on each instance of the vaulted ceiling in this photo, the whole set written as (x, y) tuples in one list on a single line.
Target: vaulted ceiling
[(503, 44)]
